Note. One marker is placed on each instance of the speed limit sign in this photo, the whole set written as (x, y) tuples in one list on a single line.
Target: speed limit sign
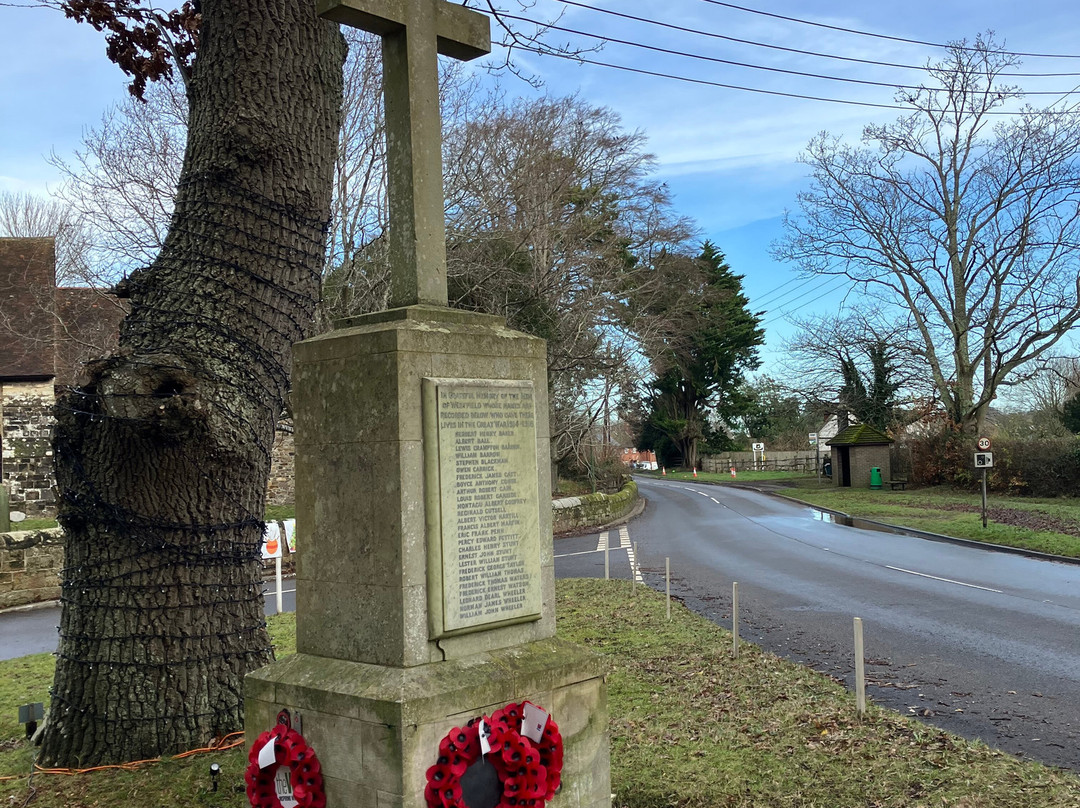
[(984, 444)]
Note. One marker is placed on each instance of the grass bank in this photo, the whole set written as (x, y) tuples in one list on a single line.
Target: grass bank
[(1045, 525), (689, 727)]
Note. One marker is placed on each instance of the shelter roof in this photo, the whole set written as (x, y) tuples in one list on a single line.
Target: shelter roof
[(860, 435)]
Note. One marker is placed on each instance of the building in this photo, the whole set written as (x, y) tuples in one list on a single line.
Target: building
[(635, 459), (46, 333), (855, 451)]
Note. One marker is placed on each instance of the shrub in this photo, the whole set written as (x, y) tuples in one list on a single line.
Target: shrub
[(1047, 467)]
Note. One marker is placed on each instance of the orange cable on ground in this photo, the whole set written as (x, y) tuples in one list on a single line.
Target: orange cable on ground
[(218, 745)]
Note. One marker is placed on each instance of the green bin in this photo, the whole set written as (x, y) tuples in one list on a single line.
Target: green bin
[(875, 477)]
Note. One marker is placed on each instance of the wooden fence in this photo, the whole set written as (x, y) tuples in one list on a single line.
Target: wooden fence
[(802, 461)]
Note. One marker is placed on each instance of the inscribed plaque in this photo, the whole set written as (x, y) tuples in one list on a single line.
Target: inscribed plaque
[(488, 542)]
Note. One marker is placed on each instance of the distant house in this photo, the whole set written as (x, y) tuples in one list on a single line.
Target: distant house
[(639, 459), (46, 333)]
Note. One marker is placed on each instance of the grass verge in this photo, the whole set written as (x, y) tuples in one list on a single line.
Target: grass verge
[(689, 727), (1045, 525)]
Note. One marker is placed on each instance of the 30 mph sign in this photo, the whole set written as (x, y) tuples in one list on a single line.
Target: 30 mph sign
[(984, 444)]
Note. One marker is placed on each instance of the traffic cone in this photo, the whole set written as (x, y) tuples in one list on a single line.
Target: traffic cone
[(733, 472), (695, 472), (663, 471)]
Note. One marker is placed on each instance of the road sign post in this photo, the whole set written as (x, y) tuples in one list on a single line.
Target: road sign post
[(984, 461)]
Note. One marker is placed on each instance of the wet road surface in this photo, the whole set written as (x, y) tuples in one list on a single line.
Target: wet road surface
[(980, 643)]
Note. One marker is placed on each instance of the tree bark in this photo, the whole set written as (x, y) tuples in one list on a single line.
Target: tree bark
[(162, 453)]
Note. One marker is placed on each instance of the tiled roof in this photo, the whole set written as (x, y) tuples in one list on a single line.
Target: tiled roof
[(27, 311), (860, 435)]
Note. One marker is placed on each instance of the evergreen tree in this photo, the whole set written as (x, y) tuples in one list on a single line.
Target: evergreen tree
[(1070, 415), (707, 341)]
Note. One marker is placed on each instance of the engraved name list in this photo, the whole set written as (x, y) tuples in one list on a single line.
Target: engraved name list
[(490, 541)]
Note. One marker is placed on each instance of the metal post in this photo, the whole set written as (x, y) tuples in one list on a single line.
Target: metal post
[(984, 498), (735, 620), (607, 561), (633, 572), (277, 575), (860, 672)]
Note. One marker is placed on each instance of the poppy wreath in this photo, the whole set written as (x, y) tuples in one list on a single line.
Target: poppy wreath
[(528, 772), (291, 750)]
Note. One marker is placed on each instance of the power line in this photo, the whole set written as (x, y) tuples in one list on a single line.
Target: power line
[(785, 313), (759, 90), (842, 29), (706, 82), (751, 66), (774, 300), (798, 51)]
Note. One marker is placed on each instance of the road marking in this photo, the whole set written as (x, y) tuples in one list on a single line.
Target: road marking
[(270, 592), (624, 542), (718, 502), (601, 543), (583, 552), (946, 580)]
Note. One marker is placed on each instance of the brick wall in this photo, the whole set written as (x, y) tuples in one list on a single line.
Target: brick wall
[(25, 446), (30, 564), (864, 458)]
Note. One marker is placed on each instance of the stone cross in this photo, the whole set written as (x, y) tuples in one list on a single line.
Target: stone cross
[(413, 33)]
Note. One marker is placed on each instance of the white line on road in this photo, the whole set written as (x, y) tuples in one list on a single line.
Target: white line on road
[(583, 552), (635, 570), (601, 543), (946, 580), (270, 592)]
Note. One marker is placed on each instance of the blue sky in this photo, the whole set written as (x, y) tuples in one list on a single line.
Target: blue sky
[(729, 156)]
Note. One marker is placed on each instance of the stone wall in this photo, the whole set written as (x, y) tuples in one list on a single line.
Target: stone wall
[(26, 446), (593, 510), (281, 490), (30, 564)]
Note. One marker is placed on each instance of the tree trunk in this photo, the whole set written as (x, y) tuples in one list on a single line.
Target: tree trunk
[(162, 454)]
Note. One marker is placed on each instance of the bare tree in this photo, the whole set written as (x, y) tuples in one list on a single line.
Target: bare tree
[(970, 226), (1044, 392), (550, 213), (825, 351), (25, 215), (123, 178)]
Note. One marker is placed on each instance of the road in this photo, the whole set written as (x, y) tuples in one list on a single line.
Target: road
[(981, 643), (36, 630)]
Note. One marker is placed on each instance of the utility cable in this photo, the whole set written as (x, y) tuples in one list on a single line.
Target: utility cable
[(757, 44), (844, 30), (751, 66), (761, 91)]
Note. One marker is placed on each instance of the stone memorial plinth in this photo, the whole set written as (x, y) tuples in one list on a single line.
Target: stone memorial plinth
[(425, 576)]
